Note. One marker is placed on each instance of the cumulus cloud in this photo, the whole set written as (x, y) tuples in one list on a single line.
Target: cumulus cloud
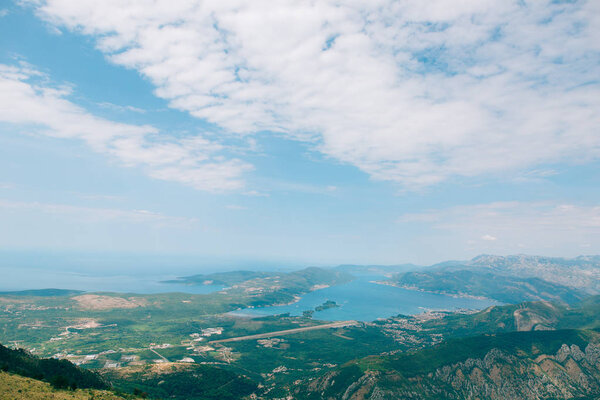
[(407, 91), (489, 238), (41, 108)]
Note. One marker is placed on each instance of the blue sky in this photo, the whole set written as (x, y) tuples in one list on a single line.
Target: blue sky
[(321, 134)]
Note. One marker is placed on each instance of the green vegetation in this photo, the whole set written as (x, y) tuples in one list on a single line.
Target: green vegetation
[(114, 332), (97, 322), (189, 382), (228, 278), (507, 289), (326, 305), (59, 373), (524, 365), (167, 345), (526, 344), (298, 280), (16, 387), (519, 317)]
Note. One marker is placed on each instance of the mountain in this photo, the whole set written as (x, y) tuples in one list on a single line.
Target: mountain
[(531, 365), (507, 289), (533, 350), (60, 373), (172, 380), (540, 315), (582, 272)]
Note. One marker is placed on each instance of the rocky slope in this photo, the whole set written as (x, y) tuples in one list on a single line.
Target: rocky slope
[(562, 364)]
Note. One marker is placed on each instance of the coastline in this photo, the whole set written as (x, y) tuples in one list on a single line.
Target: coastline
[(417, 289)]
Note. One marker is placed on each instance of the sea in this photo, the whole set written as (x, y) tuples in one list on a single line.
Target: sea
[(364, 300), (361, 299)]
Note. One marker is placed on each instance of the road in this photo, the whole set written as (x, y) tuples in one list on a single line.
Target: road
[(340, 324), (156, 352)]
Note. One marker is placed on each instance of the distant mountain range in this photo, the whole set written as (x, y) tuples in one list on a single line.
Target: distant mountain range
[(504, 288), (510, 279), (581, 272)]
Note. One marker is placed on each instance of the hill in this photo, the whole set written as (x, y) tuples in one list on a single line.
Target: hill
[(581, 272), (531, 365), (507, 289), (228, 278), (15, 387), (184, 381), (60, 373), (294, 282)]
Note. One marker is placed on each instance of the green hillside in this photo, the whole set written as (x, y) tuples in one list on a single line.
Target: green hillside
[(228, 278), (182, 381), (515, 365), (60, 373), (15, 387), (507, 289)]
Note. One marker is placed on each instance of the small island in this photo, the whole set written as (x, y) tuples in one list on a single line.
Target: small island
[(328, 304)]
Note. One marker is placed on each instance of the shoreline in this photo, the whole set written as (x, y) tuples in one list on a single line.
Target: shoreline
[(417, 289)]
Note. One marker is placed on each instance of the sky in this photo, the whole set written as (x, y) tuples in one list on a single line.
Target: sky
[(317, 132)]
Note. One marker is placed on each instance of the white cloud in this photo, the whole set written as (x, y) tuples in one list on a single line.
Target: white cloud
[(121, 108), (94, 196), (3, 12), (38, 107), (255, 193), (94, 214), (536, 227), (408, 91)]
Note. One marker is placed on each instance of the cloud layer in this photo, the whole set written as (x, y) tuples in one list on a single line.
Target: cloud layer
[(97, 215), (407, 91), (509, 227), (38, 107)]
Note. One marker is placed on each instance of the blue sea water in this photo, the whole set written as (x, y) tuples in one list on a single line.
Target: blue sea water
[(363, 300), (360, 299), (38, 278)]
